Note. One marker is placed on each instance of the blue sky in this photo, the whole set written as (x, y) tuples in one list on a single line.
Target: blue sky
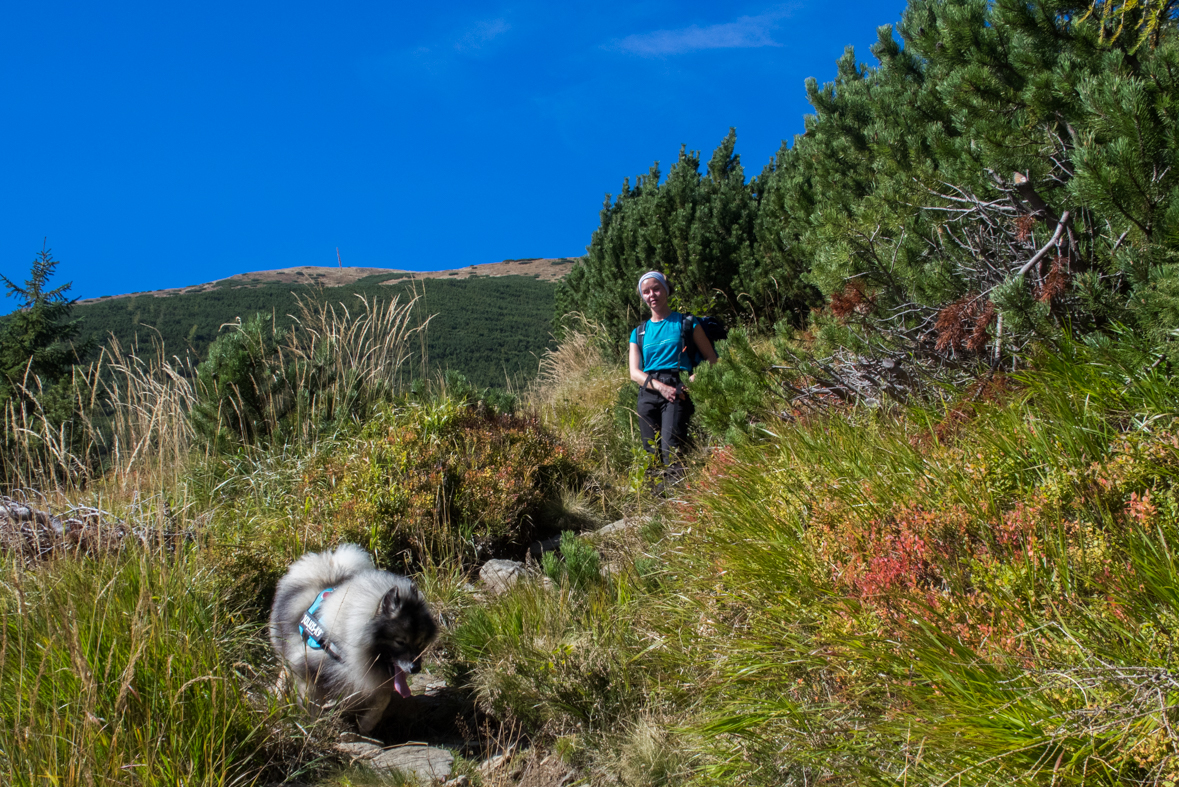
[(162, 144)]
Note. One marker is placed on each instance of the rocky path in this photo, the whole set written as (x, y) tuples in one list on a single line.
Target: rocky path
[(422, 735)]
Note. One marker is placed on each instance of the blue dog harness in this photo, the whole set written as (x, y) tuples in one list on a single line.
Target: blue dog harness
[(313, 632)]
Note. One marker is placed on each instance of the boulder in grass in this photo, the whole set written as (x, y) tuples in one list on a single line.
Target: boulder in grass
[(621, 526), (499, 576)]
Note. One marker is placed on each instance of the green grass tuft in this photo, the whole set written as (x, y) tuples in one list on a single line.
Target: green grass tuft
[(132, 670)]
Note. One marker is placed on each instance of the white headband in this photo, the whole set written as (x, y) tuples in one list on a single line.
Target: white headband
[(652, 275)]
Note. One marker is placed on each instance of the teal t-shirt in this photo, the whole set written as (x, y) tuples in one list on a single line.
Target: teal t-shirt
[(661, 344)]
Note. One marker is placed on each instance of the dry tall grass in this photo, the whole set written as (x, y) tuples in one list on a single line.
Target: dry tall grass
[(130, 421), (149, 396), (38, 451), (132, 426), (576, 393), (362, 353)]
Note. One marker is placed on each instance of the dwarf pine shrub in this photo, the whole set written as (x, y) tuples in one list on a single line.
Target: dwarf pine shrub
[(579, 564)]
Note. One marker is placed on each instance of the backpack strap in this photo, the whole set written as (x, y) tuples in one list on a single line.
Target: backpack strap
[(687, 339), (640, 332)]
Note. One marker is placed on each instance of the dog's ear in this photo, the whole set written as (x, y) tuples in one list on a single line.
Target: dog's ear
[(392, 601)]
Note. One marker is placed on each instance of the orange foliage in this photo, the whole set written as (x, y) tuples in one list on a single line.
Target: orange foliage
[(852, 300), (963, 324), (1055, 283), (1023, 227)]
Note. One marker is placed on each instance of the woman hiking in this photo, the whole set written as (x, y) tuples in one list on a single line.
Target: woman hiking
[(659, 361)]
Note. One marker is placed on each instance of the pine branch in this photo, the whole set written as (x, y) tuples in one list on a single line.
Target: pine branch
[(1040, 254), (1039, 207)]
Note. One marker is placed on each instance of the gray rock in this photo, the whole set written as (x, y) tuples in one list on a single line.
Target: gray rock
[(488, 766), (613, 527), (621, 525), (500, 575), (359, 750), (426, 684), (424, 762)]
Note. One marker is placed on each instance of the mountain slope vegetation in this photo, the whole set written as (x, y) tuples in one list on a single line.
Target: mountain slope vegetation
[(931, 536), (492, 330)]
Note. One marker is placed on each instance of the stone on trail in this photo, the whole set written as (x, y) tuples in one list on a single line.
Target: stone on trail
[(359, 750), (622, 525), (500, 575), (424, 762)]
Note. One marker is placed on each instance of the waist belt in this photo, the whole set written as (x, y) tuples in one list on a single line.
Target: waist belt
[(666, 376)]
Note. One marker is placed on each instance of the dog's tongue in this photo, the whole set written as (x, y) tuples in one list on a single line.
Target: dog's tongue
[(400, 683)]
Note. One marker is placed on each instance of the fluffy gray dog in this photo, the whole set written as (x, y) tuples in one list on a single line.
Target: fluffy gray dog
[(349, 632)]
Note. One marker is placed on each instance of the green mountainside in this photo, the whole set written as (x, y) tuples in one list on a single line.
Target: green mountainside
[(931, 538), (492, 330)]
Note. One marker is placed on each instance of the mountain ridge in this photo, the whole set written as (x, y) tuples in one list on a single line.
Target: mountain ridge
[(543, 268)]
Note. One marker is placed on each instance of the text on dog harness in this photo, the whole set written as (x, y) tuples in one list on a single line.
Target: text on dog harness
[(313, 632)]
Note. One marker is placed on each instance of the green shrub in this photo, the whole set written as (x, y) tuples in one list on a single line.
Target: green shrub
[(555, 662), (443, 480), (241, 385), (579, 565)]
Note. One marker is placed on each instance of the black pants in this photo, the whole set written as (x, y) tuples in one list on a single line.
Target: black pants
[(669, 419)]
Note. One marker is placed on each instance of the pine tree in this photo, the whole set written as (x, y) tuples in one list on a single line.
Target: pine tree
[(37, 340), (1005, 163), (1010, 159), (697, 228), (243, 391)]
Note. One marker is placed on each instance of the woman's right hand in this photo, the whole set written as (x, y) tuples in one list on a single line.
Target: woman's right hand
[(667, 391)]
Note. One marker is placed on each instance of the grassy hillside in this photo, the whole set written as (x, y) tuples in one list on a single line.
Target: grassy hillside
[(490, 329), (924, 544), (976, 590)]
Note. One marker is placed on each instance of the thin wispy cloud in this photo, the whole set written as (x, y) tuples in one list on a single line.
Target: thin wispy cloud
[(438, 56), (746, 32), (481, 34), (469, 40)]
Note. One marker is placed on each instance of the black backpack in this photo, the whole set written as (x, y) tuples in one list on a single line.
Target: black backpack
[(714, 329)]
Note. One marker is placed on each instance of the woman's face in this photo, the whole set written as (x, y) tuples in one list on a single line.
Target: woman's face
[(654, 295)]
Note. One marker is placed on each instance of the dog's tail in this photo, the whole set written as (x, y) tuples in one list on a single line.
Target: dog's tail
[(331, 568)]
